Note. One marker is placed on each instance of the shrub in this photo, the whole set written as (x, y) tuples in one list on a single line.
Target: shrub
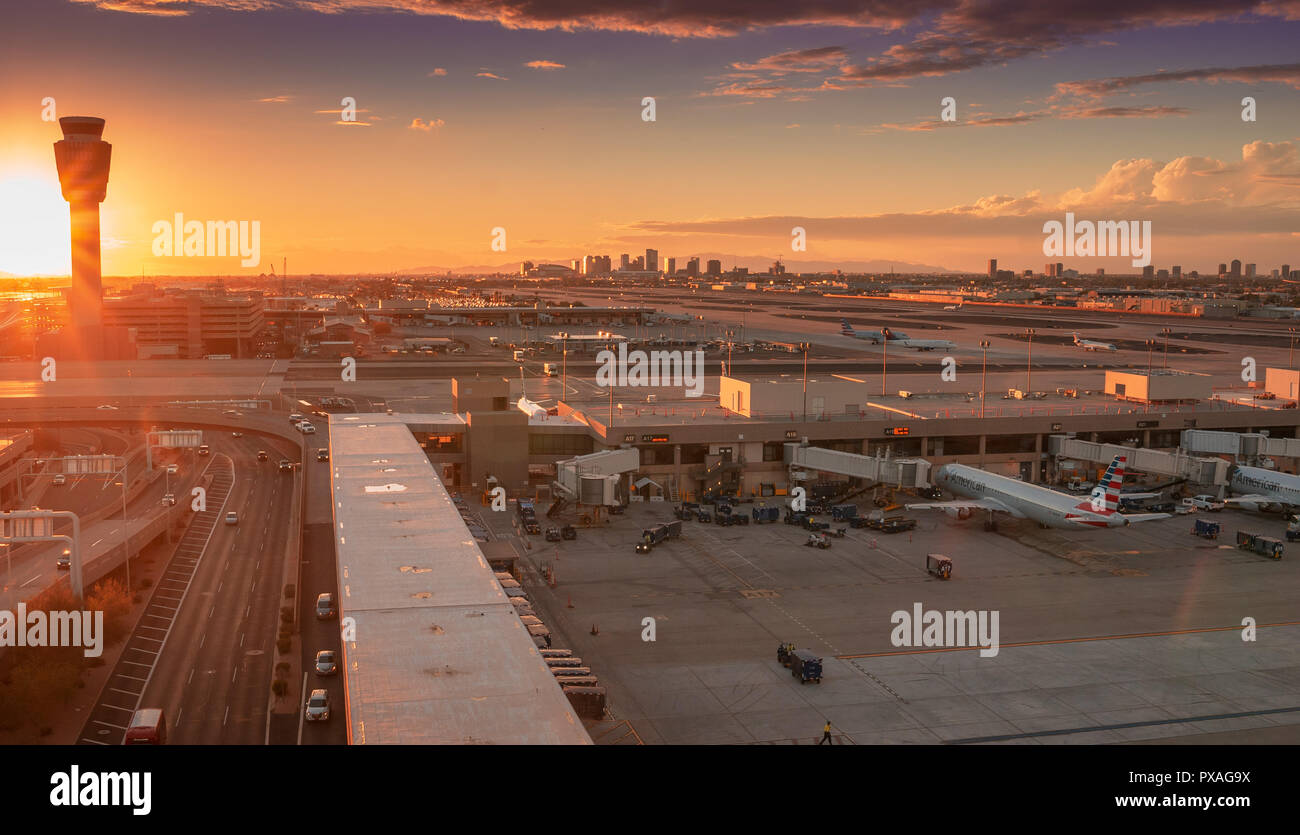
[(283, 645), (288, 591), (279, 687)]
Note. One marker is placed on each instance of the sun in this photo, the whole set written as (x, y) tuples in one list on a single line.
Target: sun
[(34, 235)]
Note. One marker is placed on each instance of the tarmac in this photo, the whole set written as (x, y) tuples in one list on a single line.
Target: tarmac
[(1106, 636)]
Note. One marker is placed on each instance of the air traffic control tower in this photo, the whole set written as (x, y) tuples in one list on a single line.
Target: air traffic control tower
[(83, 159)]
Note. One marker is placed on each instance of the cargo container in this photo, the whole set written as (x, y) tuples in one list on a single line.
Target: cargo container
[(805, 666), (841, 512)]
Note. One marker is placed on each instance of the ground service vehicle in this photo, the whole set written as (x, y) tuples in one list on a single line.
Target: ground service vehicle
[(262, 455), (1205, 529), (765, 514), (818, 540), (805, 666), (322, 454), (939, 565), (842, 512), (552, 534), (896, 525), (783, 653), (148, 727), (568, 532), (1265, 546), (1203, 502), (653, 536)]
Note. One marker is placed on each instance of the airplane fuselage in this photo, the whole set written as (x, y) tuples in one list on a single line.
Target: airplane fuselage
[(1282, 489), (1047, 507)]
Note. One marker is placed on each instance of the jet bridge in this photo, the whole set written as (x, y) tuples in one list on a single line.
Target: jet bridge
[(907, 473), (1175, 464), (594, 479), (1250, 446)]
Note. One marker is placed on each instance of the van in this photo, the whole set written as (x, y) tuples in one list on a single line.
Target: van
[(306, 428), (148, 727)]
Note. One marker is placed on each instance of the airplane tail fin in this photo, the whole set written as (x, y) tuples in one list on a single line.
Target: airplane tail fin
[(845, 329), (887, 333), (1113, 481)]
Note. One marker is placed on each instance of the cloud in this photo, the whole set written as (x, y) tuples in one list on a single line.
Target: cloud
[(437, 71), (795, 125), (1190, 196), (275, 99), (491, 75), (982, 120), (1288, 74), (818, 59), (419, 124), (544, 65), (1151, 111)]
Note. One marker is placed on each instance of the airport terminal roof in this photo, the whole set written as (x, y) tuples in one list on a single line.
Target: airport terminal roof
[(438, 655)]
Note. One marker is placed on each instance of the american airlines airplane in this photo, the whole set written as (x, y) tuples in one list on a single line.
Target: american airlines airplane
[(1264, 490), (874, 337), (905, 341), (1093, 345), (994, 493)]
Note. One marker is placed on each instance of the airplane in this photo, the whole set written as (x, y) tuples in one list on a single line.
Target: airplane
[(905, 341), (956, 306), (1264, 490), (666, 318), (1093, 345), (874, 337), (995, 493)]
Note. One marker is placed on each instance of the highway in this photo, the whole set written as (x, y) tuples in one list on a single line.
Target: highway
[(217, 609)]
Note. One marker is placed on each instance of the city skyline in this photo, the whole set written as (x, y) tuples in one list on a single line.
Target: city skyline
[(497, 119)]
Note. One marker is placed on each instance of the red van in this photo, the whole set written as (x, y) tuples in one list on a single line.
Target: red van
[(148, 727)]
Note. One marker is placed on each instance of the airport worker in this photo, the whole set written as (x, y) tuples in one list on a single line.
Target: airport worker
[(826, 734)]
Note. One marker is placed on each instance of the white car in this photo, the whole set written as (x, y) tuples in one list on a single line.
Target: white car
[(232, 518), (172, 469), (236, 434), (169, 500), (1203, 502), (306, 428), (60, 480)]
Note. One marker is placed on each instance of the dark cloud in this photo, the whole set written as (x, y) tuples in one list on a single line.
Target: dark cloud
[(1288, 74)]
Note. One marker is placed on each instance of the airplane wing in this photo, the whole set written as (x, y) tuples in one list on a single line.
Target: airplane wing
[(1145, 517), (1123, 496), (967, 504)]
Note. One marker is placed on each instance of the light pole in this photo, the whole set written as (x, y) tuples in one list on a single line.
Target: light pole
[(1029, 364), (1291, 354), (1151, 344), (1165, 333), (884, 365), (984, 373), (805, 346), (564, 366)]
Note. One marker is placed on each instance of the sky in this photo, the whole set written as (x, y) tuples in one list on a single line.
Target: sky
[(528, 116)]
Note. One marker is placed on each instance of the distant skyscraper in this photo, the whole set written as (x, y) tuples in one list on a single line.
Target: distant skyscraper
[(1148, 271), (1236, 268), (993, 268), (1286, 270), (670, 266), (652, 259), (1049, 270), (693, 267), (1250, 271), (83, 158), (625, 261), (1178, 271), (1223, 270), (1060, 269), (525, 267), (714, 267), (1100, 272)]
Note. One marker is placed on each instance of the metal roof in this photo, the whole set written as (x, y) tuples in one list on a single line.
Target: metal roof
[(439, 654)]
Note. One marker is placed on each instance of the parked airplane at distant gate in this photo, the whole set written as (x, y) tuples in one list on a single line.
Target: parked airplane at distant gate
[(983, 490)]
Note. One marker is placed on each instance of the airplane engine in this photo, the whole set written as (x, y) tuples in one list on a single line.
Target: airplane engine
[(1254, 507), (957, 512)]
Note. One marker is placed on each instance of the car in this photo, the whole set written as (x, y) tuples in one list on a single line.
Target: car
[(64, 561), (204, 449), (325, 663), (818, 540), (172, 469), (318, 706), (1205, 501), (60, 480), (232, 517), (286, 466), (295, 417), (325, 606), (322, 454), (306, 428), (262, 455), (236, 434), (169, 500)]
